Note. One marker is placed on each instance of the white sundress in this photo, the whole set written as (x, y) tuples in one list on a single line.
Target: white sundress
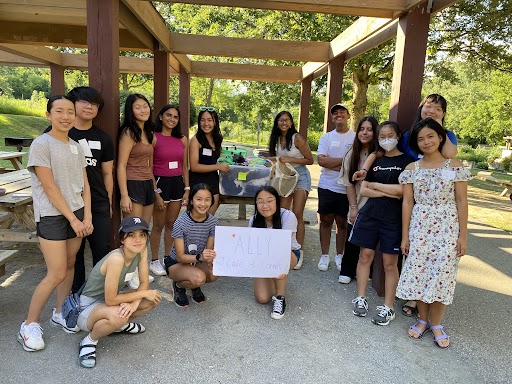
[(429, 272)]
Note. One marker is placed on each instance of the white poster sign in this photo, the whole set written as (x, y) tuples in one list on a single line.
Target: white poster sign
[(252, 252)]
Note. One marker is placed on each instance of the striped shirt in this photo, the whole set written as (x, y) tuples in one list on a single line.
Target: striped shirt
[(195, 234)]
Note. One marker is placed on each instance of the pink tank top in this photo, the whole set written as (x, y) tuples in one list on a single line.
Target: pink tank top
[(137, 167), (168, 156)]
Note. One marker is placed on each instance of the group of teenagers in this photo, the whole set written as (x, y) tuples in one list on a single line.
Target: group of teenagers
[(370, 185)]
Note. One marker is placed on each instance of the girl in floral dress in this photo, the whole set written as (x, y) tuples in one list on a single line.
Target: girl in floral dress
[(434, 229)]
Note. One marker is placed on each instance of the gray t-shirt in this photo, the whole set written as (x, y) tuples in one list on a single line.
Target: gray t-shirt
[(67, 162)]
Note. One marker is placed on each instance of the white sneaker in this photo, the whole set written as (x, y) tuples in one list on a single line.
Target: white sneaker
[(31, 337), (344, 279), (299, 262), (338, 259), (323, 263), (58, 321), (156, 267), (135, 282)]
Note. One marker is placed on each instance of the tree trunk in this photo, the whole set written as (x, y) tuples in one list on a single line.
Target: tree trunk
[(124, 82), (361, 81), (209, 93)]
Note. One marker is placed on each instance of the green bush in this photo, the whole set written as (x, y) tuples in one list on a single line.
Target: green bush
[(482, 165), (34, 107), (506, 164), (313, 139), (478, 155)]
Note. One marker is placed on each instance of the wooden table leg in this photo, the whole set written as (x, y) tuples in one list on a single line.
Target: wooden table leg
[(242, 210)]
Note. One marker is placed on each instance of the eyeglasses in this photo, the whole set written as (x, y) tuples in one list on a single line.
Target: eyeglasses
[(86, 103), (267, 203), (209, 109), (283, 120)]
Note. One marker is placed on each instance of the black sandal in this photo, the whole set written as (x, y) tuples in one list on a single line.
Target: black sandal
[(87, 360), (408, 310), (132, 328)]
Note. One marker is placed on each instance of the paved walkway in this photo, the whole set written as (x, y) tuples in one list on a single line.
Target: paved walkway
[(231, 338)]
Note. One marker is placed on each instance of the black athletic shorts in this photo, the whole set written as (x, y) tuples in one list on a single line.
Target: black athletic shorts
[(141, 191), (57, 227)]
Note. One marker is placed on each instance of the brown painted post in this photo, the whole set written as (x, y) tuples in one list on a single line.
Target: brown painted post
[(334, 89), (103, 57), (410, 51), (305, 104), (161, 77), (184, 101), (57, 79)]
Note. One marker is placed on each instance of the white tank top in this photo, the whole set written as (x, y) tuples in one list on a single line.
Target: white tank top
[(292, 152)]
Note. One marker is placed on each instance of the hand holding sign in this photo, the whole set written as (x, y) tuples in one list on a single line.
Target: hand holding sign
[(252, 252)]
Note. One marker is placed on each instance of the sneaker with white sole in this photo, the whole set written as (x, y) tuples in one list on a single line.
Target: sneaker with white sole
[(323, 263), (344, 279), (360, 306), (156, 268), (299, 262), (279, 305), (338, 259), (58, 321), (384, 316), (31, 337), (135, 282)]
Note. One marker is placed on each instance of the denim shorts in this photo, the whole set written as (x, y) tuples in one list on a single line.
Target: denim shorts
[(304, 181), (87, 304)]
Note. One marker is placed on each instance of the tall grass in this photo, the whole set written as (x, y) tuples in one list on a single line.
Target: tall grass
[(33, 107)]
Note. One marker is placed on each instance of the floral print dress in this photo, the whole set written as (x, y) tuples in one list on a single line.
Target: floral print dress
[(430, 270)]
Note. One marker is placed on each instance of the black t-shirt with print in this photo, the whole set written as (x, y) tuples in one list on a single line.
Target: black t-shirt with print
[(386, 170)]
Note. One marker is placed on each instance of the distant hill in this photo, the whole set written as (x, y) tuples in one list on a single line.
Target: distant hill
[(21, 126)]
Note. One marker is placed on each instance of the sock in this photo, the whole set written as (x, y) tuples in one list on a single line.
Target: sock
[(88, 340), (340, 255)]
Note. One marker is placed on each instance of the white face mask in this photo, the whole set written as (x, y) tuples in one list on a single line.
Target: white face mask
[(388, 144)]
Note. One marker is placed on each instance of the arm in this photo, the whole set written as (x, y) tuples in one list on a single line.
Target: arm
[(202, 168), (86, 195), (461, 199), (45, 175), (126, 144), (303, 146), (369, 192), (209, 253), (333, 163), (361, 174), (394, 190), (181, 256), (107, 169), (407, 205), (184, 199), (449, 150), (352, 200)]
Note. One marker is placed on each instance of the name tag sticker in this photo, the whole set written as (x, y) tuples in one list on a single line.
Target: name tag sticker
[(173, 164), (447, 174), (242, 176), (335, 143), (207, 152), (192, 248), (129, 276), (73, 149), (93, 144)]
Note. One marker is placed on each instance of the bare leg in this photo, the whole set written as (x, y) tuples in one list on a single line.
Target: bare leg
[(436, 315), (156, 230), (341, 234), (299, 202), (173, 210), (215, 205), (64, 288), (326, 222), (423, 314), (286, 202), (366, 256), (390, 263)]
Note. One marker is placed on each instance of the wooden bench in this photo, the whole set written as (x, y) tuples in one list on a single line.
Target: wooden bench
[(487, 176), (4, 256)]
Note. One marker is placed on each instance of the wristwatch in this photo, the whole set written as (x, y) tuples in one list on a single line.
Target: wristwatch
[(198, 256)]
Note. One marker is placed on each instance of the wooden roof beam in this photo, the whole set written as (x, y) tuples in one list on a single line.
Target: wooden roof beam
[(34, 52), (134, 26), (7, 58), (155, 24), (369, 8), (250, 48)]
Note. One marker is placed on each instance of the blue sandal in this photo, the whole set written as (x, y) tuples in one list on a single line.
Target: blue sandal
[(416, 329), (443, 336)]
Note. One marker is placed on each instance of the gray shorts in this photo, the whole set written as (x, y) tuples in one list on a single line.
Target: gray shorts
[(86, 305)]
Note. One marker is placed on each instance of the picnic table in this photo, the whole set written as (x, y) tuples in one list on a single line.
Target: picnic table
[(17, 202), (14, 157)]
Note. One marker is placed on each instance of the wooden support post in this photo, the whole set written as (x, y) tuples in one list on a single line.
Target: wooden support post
[(57, 79), (160, 77), (184, 101), (411, 47), (305, 104), (103, 63), (334, 89)]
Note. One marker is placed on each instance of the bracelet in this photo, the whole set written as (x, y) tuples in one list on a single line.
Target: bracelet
[(187, 188), (364, 169), (353, 206), (158, 190)]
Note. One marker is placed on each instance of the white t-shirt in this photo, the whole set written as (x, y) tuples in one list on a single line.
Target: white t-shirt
[(335, 145), (288, 221)]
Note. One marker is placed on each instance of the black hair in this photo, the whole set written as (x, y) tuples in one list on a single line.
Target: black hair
[(259, 220), (129, 124), (196, 188), (432, 98), (387, 123), (357, 147), (54, 98), (176, 131), (89, 94), (216, 134), (276, 133), (429, 123)]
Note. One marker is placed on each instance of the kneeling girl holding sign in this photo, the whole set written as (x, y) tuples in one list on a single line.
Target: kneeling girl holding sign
[(104, 310), (269, 214)]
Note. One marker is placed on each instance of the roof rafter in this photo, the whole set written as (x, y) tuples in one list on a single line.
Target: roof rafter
[(37, 53)]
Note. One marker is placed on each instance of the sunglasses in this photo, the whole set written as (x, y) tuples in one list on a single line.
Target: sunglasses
[(209, 109)]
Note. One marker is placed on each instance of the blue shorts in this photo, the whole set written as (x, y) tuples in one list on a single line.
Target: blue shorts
[(304, 181), (296, 252), (368, 231)]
